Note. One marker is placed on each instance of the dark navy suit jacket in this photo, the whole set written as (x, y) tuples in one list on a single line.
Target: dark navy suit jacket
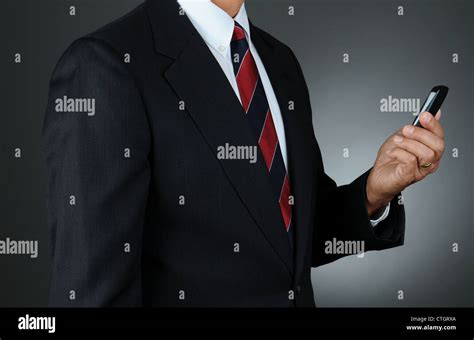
[(120, 233)]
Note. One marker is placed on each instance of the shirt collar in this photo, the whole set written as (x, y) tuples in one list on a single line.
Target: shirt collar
[(213, 24)]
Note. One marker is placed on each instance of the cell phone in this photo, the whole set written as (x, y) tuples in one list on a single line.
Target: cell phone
[(433, 102)]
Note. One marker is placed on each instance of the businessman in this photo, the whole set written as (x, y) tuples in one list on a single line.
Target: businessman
[(184, 169)]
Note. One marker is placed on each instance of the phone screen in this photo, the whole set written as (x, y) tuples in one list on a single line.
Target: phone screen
[(433, 103)]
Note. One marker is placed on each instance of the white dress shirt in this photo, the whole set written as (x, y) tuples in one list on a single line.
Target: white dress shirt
[(216, 27)]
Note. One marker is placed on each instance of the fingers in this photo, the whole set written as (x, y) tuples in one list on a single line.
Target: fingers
[(423, 153), (426, 137), (409, 161), (431, 124), (403, 156), (438, 115)]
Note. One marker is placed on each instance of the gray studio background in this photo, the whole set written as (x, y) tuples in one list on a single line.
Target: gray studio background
[(390, 55)]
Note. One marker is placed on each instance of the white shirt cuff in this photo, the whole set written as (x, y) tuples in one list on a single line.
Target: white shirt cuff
[(382, 217)]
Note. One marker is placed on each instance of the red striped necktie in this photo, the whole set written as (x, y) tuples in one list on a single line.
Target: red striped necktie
[(255, 104)]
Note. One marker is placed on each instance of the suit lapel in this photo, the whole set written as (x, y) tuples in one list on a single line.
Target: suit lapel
[(300, 169), (198, 80)]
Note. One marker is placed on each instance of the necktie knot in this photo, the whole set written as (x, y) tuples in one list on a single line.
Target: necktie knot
[(239, 33)]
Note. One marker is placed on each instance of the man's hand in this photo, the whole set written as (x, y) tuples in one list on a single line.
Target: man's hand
[(406, 157)]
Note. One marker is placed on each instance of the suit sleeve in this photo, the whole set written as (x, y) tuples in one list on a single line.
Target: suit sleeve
[(341, 213), (96, 144)]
